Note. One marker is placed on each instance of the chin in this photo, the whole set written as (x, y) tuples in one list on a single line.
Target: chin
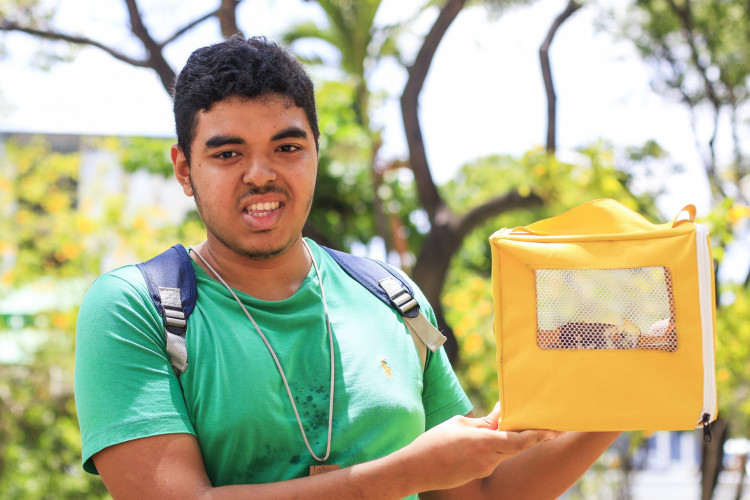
[(265, 252), (257, 247)]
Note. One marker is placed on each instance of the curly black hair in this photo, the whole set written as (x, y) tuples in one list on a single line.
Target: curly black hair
[(238, 68)]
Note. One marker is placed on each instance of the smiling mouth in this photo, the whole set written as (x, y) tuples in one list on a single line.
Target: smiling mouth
[(262, 209)]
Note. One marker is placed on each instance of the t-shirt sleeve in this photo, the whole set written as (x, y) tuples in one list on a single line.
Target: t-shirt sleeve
[(125, 388), (442, 394)]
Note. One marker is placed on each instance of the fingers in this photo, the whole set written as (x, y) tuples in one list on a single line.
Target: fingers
[(516, 442), (491, 421)]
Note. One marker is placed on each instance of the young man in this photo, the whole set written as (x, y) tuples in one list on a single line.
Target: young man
[(291, 363)]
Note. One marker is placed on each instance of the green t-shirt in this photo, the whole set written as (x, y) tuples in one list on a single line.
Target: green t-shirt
[(234, 399)]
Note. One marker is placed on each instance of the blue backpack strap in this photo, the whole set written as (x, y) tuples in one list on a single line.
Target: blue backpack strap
[(171, 283), (387, 284)]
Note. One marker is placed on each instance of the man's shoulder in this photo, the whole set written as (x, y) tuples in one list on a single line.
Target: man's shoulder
[(120, 287), (416, 292), (123, 277)]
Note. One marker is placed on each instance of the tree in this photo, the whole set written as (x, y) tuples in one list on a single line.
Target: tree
[(447, 229), (549, 87), (699, 51)]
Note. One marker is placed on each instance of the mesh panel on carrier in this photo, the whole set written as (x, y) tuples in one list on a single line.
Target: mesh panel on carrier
[(605, 309)]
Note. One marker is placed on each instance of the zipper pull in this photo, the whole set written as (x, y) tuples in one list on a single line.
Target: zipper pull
[(706, 428)]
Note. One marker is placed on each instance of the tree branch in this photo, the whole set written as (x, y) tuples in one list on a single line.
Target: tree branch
[(177, 34), (496, 206), (80, 40), (227, 15), (426, 189), (549, 86), (156, 60), (685, 16)]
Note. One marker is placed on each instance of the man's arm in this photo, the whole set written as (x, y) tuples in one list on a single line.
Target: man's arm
[(540, 472), (551, 468), (449, 455)]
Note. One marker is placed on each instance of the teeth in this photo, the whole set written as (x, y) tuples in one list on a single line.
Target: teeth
[(263, 207)]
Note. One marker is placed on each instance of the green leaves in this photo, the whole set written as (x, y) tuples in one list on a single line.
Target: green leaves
[(60, 230), (145, 153)]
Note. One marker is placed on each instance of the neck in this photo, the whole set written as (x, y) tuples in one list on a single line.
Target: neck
[(272, 279)]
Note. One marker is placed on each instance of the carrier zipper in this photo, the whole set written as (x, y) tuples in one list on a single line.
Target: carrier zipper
[(706, 309), (706, 428)]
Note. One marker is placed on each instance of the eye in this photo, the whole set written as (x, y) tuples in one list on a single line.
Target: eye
[(288, 148), (226, 155)]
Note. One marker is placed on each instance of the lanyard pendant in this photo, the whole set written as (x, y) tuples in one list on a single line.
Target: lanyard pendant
[(321, 469)]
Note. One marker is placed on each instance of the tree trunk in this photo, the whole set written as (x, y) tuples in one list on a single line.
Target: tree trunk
[(442, 243), (428, 193), (432, 263), (549, 86), (447, 230), (712, 456), (227, 15), (430, 271), (743, 475)]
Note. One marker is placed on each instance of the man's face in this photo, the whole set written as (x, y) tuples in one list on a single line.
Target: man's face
[(253, 169)]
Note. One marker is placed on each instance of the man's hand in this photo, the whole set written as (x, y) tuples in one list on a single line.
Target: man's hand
[(463, 449)]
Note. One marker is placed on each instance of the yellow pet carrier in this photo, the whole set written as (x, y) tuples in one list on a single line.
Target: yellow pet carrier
[(605, 321)]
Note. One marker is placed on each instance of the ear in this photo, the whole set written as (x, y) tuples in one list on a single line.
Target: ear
[(181, 169)]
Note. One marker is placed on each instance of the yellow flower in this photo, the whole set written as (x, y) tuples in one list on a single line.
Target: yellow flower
[(476, 375), (56, 202), (140, 224), (84, 224), (60, 320), (7, 278), (484, 308), (474, 344), (68, 251), (738, 212)]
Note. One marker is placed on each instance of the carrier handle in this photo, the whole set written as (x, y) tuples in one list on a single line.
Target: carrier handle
[(690, 210), (525, 230)]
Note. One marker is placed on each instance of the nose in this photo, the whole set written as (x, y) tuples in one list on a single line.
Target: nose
[(258, 171)]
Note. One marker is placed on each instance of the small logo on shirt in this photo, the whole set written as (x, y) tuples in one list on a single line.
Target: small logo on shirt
[(386, 368)]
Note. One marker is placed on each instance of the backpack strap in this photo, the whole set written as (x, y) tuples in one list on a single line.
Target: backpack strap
[(387, 284), (172, 286)]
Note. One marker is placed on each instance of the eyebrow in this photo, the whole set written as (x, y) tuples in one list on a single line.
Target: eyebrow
[(218, 141), (294, 132)]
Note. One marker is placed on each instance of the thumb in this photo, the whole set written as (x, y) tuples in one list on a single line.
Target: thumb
[(493, 418)]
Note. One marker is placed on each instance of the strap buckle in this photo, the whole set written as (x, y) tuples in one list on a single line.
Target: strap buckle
[(400, 297)]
